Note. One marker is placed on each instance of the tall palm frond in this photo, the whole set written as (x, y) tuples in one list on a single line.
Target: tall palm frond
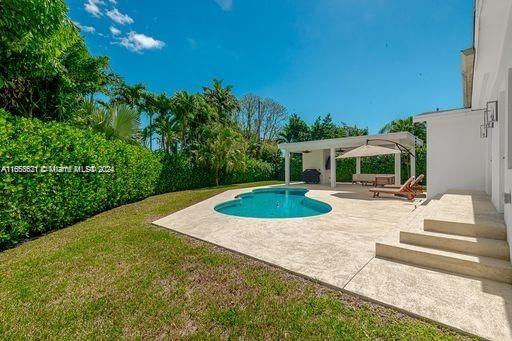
[(114, 121), (125, 123)]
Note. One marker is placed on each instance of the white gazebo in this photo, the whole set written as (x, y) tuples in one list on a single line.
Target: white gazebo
[(316, 154)]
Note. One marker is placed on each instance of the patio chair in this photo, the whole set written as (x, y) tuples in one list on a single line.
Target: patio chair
[(404, 190), (415, 185)]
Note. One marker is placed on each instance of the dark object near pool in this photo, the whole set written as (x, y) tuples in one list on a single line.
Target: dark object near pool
[(310, 176)]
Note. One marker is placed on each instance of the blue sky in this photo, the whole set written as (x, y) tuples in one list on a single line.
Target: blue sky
[(364, 61)]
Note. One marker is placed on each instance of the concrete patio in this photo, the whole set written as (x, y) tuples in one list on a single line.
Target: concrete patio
[(338, 249)]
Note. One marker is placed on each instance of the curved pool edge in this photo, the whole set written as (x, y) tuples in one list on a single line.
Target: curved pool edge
[(240, 196)]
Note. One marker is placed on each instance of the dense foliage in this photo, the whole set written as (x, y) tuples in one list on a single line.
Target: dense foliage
[(33, 203), (296, 130), (36, 202), (46, 70)]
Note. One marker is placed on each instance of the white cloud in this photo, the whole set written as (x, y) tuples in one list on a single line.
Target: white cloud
[(93, 7), (88, 29), (114, 2), (226, 5), (138, 42), (114, 31), (119, 17), (192, 42)]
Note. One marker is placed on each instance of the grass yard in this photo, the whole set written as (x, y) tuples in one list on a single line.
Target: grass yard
[(116, 275)]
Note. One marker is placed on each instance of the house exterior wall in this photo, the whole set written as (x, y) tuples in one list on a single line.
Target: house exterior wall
[(493, 82), (454, 153), (454, 146), (500, 146), (507, 151)]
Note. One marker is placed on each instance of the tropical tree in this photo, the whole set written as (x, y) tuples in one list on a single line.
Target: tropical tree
[(184, 109), (131, 95), (46, 70), (354, 130), (115, 121), (264, 150), (166, 128), (405, 124), (159, 105), (222, 149), (296, 130), (417, 129), (222, 100), (325, 128), (204, 114)]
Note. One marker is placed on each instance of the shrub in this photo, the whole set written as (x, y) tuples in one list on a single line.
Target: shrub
[(180, 172), (33, 203), (255, 170)]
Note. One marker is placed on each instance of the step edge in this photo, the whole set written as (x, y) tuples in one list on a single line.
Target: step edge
[(472, 248), (436, 253)]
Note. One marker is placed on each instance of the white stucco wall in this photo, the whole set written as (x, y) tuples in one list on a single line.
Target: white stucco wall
[(454, 153), (456, 156), (316, 159), (505, 110), (493, 81)]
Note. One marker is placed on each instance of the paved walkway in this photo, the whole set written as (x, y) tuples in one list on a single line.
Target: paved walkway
[(338, 249)]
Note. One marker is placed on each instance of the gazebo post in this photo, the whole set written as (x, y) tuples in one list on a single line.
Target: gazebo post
[(286, 167), (333, 167), (413, 160), (358, 165), (398, 166)]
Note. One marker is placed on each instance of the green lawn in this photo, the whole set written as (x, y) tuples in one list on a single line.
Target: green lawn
[(116, 275)]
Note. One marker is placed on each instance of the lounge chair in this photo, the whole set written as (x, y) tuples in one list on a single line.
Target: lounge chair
[(404, 190), (415, 185)]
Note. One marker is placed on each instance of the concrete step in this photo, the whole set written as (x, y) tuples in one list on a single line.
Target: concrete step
[(477, 266), (476, 202), (485, 228), (471, 245)]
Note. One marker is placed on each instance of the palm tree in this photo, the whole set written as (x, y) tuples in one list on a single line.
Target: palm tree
[(184, 108), (116, 121), (405, 124), (167, 130), (223, 149), (222, 100), (148, 107), (204, 114), (159, 105), (131, 95), (146, 136)]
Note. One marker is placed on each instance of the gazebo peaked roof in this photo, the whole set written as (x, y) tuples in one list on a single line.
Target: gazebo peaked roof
[(406, 139)]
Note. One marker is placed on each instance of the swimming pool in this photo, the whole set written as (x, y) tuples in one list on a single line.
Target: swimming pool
[(274, 203)]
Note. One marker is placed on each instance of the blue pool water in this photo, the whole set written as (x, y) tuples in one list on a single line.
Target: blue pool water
[(274, 203)]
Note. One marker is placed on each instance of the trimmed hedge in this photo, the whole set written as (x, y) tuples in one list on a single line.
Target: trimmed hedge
[(33, 203), (180, 173), (254, 170)]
